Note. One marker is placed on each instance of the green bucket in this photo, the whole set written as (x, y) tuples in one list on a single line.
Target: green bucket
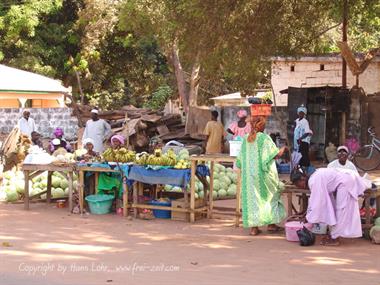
[(100, 204)]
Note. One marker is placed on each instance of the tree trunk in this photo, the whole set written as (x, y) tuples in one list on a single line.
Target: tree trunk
[(80, 87), (180, 77), (194, 82)]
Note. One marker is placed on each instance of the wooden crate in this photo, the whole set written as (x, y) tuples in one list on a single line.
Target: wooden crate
[(181, 216)]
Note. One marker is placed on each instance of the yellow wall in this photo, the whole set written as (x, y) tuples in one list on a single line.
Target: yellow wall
[(9, 103), (45, 103)]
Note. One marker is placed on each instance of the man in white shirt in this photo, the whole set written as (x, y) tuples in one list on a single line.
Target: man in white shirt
[(97, 130), (342, 163), (27, 124)]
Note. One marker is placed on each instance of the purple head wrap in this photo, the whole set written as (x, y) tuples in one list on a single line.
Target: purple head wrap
[(58, 132)]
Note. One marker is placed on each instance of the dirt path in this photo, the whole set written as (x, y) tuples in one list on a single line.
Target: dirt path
[(50, 247)]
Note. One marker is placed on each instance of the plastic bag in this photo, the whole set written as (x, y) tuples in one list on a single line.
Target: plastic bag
[(306, 237)]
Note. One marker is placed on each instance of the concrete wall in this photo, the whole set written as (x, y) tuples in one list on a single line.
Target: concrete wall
[(47, 119), (307, 73)]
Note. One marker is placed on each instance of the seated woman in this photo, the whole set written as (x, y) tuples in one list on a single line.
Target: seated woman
[(333, 201), (58, 134), (117, 141), (112, 182), (88, 153)]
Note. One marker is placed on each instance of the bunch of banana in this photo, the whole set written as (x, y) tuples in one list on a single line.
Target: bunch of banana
[(124, 155), (168, 159), (109, 155), (119, 155), (142, 158)]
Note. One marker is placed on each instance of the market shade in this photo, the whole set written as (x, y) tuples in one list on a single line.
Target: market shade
[(13, 79)]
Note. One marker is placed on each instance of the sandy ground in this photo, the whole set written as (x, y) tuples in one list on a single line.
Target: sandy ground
[(48, 246)]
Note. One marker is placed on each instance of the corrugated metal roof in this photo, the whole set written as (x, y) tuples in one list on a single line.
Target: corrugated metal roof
[(13, 79)]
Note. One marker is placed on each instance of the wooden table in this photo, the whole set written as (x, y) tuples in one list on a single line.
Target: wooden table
[(33, 170), (213, 158), (86, 168)]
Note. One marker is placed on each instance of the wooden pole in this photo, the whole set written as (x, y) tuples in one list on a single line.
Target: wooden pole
[(344, 69)]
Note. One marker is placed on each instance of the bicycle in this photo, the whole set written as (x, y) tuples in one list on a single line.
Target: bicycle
[(368, 156)]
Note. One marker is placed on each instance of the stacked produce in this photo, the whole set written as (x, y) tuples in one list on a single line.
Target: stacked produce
[(12, 187), (119, 155), (224, 184), (158, 158)]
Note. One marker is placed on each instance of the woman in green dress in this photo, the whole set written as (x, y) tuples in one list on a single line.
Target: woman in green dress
[(261, 194)]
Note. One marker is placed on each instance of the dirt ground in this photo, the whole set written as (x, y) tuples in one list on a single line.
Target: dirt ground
[(48, 246)]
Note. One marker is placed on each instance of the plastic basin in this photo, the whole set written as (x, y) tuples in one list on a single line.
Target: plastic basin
[(100, 204), (161, 214), (291, 229)]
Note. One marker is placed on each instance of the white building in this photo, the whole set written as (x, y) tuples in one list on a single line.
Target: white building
[(319, 71)]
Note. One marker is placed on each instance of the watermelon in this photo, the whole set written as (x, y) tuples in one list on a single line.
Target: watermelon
[(201, 194), (196, 196), (168, 188), (214, 195), (222, 193), (12, 196), (64, 183), (55, 182), (57, 193), (20, 185), (231, 190), (217, 185), (225, 181)]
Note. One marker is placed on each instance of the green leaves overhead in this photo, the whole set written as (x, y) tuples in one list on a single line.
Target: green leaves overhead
[(122, 49)]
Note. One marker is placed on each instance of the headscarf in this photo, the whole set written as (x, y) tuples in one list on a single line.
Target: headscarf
[(117, 137), (56, 142), (302, 108), (258, 125), (242, 114), (95, 111), (58, 132), (88, 140)]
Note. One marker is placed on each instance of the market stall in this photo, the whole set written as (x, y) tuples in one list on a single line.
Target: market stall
[(97, 168), (33, 170), (168, 176), (213, 159)]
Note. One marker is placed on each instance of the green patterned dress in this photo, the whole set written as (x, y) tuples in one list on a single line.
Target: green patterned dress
[(261, 194)]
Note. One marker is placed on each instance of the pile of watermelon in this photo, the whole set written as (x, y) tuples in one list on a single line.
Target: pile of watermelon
[(225, 179), (13, 183)]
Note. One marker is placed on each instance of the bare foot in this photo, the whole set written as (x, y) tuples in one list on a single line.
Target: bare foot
[(255, 231)]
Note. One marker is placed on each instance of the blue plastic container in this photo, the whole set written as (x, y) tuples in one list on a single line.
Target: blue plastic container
[(283, 168), (161, 214), (100, 204)]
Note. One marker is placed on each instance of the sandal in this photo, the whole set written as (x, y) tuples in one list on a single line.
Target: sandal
[(254, 232), (330, 242)]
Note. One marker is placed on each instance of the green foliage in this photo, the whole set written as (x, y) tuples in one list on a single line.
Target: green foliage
[(122, 50), (159, 97)]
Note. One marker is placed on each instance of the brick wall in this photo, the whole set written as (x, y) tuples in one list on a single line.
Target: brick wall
[(47, 119)]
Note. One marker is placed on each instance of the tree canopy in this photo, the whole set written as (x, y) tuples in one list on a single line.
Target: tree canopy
[(140, 51)]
